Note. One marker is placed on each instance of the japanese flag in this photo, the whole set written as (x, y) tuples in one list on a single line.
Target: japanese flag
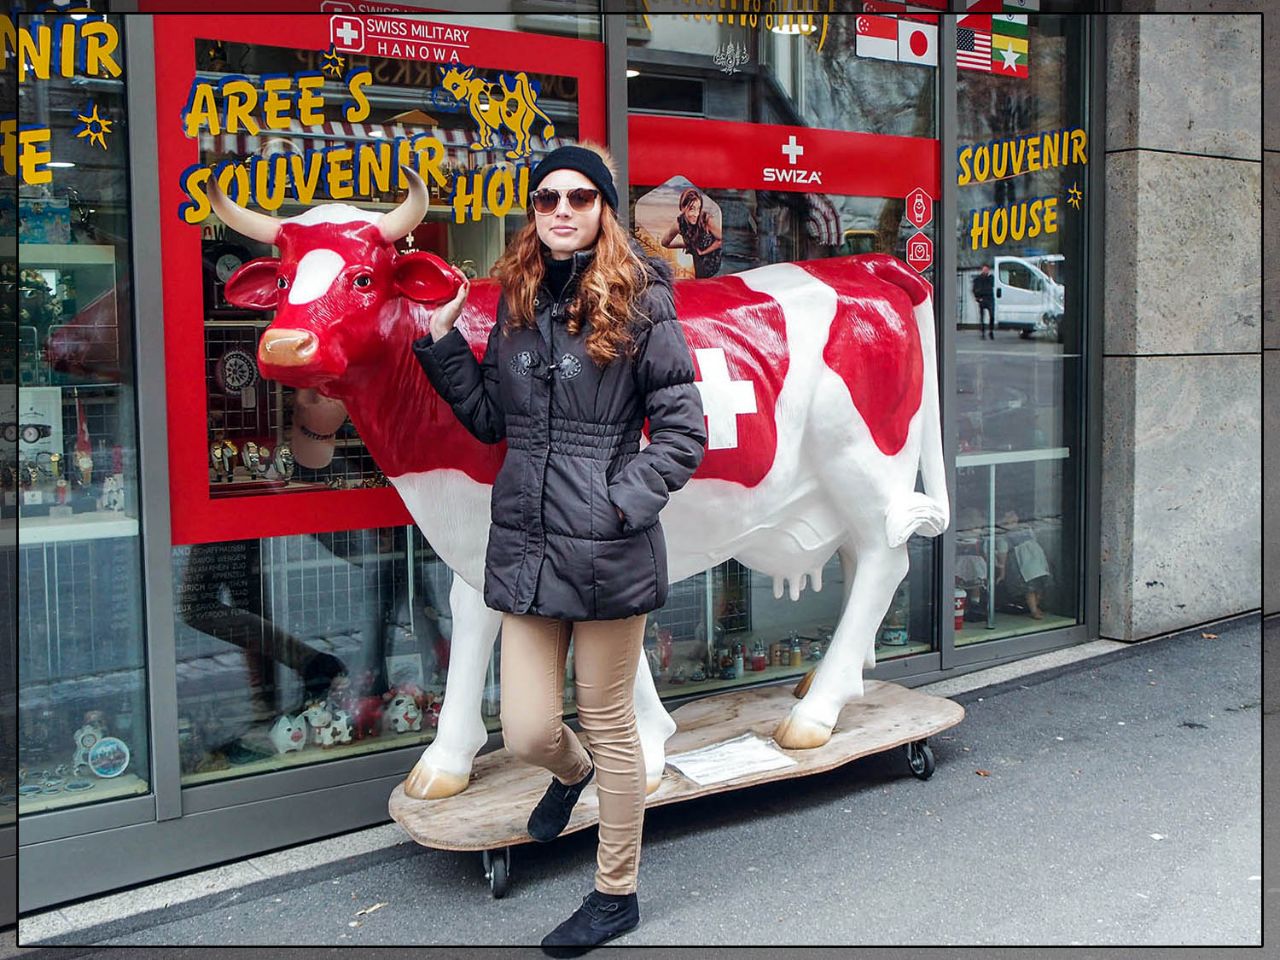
[(917, 42)]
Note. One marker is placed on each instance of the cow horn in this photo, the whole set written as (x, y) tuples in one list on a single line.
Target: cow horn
[(255, 226), (399, 223)]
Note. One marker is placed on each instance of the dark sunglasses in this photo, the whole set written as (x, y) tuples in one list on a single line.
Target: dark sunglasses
[(580, 198)]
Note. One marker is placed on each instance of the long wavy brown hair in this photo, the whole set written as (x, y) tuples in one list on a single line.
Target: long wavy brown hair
[(606, 294)]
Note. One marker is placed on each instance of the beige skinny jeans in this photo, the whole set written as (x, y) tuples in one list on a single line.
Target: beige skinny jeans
[(605, 654)]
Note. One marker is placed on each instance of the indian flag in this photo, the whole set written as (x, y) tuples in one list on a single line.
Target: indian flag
[(1009, 44)]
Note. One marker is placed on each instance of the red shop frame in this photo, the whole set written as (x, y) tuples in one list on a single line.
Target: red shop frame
[(195, 517)]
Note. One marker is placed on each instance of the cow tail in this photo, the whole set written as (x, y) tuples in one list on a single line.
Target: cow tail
[(926, 515)]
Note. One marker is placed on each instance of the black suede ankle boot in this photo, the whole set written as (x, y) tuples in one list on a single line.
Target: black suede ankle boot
[(601, 917), (551, 814)]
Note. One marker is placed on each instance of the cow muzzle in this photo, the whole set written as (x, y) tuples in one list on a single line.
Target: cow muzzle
[(287, 348)]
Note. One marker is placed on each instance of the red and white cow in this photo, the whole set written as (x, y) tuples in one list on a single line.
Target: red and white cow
[(819, 383)]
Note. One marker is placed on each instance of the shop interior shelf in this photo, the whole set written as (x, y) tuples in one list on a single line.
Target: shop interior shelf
[(1010, 625), (313, 754), (125, 785), (82, 526)]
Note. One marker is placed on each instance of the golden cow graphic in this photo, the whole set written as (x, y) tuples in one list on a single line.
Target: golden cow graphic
[(495, 106)]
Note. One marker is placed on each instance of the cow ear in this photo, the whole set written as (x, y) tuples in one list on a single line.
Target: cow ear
[(426, 278), (253, 286)]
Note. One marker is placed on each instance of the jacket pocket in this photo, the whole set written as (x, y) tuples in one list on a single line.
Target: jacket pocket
[(605, 522)]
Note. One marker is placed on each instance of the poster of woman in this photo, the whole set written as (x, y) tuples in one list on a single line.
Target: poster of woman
[(679, 222)]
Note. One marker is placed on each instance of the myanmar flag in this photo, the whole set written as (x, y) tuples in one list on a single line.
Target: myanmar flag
[(1009, 45)]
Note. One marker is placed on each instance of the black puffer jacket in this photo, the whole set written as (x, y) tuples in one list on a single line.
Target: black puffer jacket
[(557, 547)]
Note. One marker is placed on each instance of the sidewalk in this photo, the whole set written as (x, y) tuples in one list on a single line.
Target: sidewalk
[(1105, 794)]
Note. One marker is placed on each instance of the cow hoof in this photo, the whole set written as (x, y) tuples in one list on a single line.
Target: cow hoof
[(426, 782), (651, 784), (800, 733)]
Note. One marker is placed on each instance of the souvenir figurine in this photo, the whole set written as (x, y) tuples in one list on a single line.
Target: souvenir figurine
[(250, 457), (328, 726), (402, 713), (282, 464), (262, 465), (112, 494), (366, 717), (82, 456), (223, 453), (288, 734), (86, 736), (339, 691)]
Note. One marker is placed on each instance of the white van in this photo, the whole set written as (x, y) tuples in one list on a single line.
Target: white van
[(1027, 298)]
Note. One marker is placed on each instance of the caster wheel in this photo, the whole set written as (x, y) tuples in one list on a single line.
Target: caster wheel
[(920, 759), (497, 869)]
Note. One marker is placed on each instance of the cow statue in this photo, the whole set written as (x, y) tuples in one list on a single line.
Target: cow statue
[(820, 389)]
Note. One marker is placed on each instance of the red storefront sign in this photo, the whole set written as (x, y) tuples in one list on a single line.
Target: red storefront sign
[(412, 38), (759, 156)]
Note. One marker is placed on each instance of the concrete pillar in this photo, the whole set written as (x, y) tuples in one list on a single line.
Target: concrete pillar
[(1182, 364)]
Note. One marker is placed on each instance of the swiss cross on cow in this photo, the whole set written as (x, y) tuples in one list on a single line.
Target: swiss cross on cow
[(723, 398)]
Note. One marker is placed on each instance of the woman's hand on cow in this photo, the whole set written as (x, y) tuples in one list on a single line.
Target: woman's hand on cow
[(446, 315)]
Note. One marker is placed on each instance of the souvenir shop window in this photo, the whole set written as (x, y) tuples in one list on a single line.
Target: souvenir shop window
[(70, 479), (761, 631), (317, 626), (797, 63), (754, 633), (312, 123), (1022, 282), (252, 418), (294, 650)]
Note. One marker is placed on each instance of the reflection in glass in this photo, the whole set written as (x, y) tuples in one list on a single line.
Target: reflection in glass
[(1020, 334), (83, 734), (294, 650)]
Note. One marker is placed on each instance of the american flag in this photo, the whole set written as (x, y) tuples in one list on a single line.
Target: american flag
[(973, 50)]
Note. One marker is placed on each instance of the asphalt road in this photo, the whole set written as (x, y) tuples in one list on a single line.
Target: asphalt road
[(1115, 801)]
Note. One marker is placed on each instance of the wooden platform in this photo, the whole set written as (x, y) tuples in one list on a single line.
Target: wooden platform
[(492, 811)]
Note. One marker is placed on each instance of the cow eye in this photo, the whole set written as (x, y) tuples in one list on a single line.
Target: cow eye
[(364, 280), (282, 283)]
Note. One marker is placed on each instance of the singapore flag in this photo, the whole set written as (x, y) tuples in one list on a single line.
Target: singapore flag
[(877, 37), (918, 42)]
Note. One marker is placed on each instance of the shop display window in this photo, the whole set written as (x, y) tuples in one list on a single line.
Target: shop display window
[(71, 480), (312, 619), (1022, 170), (774, 139), (304, 648)]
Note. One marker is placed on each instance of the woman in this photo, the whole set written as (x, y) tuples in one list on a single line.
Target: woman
[(699, 234), (586, 346)]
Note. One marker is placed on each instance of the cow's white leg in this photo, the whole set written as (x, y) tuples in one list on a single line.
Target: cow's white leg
[(839, 678), (445, 766), (653, 723)]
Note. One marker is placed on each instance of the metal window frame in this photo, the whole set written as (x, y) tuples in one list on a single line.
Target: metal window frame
[(176, 829)]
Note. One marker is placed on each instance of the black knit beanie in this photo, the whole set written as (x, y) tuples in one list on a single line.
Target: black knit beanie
[(586, 162)]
